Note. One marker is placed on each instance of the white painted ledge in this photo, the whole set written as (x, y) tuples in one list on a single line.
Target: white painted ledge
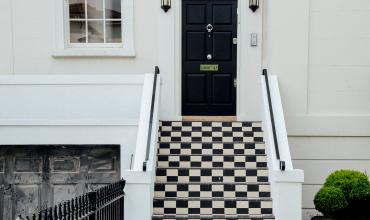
[(140, 177), (69, 122), (100, 52), (288, 176), (72, 79)]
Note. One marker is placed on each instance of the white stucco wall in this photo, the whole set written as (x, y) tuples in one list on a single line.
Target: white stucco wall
[(320, 52), (27, 41)]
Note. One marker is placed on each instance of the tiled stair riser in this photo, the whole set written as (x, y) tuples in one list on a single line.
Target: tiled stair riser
[(195, 190)]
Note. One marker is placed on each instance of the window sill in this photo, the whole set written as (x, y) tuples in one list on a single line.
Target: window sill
[(101, 52)]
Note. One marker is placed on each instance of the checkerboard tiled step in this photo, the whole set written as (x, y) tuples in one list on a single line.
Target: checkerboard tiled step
[(212, 170), (209, 175), (203, 124), (211, 132), (212, 206), (211, 217), (211, 190), (212, 137), (211, 148), (212, 161)]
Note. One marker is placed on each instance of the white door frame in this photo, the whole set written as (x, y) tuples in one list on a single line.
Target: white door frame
[(249, 62)]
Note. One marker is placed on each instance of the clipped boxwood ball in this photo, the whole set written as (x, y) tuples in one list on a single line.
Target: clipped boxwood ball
[(330, 200), (347, 180), (360, 192)]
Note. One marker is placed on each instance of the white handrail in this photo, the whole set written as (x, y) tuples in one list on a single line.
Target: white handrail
[(140, 183), (286, 185)]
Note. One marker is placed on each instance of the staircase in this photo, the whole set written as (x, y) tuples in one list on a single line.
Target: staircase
[(212, 170)]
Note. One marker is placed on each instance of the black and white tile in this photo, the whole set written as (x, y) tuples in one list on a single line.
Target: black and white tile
[(209, 175), (212, 206), (212, 161), (211, 217), (211, 132), (212, 170), (211, 190), (183, 148)]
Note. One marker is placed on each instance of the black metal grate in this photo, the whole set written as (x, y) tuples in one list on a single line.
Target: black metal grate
[(106, 203)]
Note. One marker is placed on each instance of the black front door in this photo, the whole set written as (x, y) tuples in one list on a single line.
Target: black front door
[(209, 57)]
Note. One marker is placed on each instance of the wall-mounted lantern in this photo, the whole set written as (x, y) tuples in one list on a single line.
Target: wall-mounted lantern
[(166, 5), (254, 5)]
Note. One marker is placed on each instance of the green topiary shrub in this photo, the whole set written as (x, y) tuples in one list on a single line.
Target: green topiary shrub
[(360, 192), (359, 202), (348, 181), (330, 201)]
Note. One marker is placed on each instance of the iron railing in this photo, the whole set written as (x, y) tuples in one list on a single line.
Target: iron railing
[(156, 73), (106, 203), (277, 151)]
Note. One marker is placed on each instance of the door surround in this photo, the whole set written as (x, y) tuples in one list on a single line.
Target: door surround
[(248, 72)]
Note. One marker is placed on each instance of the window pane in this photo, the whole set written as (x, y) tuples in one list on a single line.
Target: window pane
[(77, 31), (113, 8), (113, 32), (77, 8), (96, 30), (95, 9)]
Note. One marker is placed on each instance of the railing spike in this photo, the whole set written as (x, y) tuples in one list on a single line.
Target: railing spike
[(56, 212), (46, 215), (51, 214)]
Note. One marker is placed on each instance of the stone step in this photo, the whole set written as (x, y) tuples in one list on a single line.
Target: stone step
[(210, 175), (211, 206), (211, 190), (212, 161), (176, 125), (210, 136), (211, 217), (212, 148)]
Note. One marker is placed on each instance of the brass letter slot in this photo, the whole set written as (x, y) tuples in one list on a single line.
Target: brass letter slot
[(209, 67)]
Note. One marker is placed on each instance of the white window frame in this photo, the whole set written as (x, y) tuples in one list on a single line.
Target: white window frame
[(63, 48)]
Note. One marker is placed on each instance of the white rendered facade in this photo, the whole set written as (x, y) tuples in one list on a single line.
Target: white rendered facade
[(318, 49)]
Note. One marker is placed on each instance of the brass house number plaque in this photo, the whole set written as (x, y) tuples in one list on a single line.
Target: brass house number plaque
[(209, 67)]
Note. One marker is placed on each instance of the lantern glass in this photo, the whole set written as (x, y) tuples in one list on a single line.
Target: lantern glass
[(253, 5), (165, 5)]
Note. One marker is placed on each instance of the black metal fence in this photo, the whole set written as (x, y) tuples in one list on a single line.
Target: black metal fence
[(106, 203)]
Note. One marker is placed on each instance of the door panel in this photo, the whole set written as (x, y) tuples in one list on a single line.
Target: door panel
[(222, 14), (67, 179), (26, 177), (196, 46), (196, 14), (37, 177), (103, 166), (26, 198), (196, 92), (222, 48), (222, 96), (209, 57)]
